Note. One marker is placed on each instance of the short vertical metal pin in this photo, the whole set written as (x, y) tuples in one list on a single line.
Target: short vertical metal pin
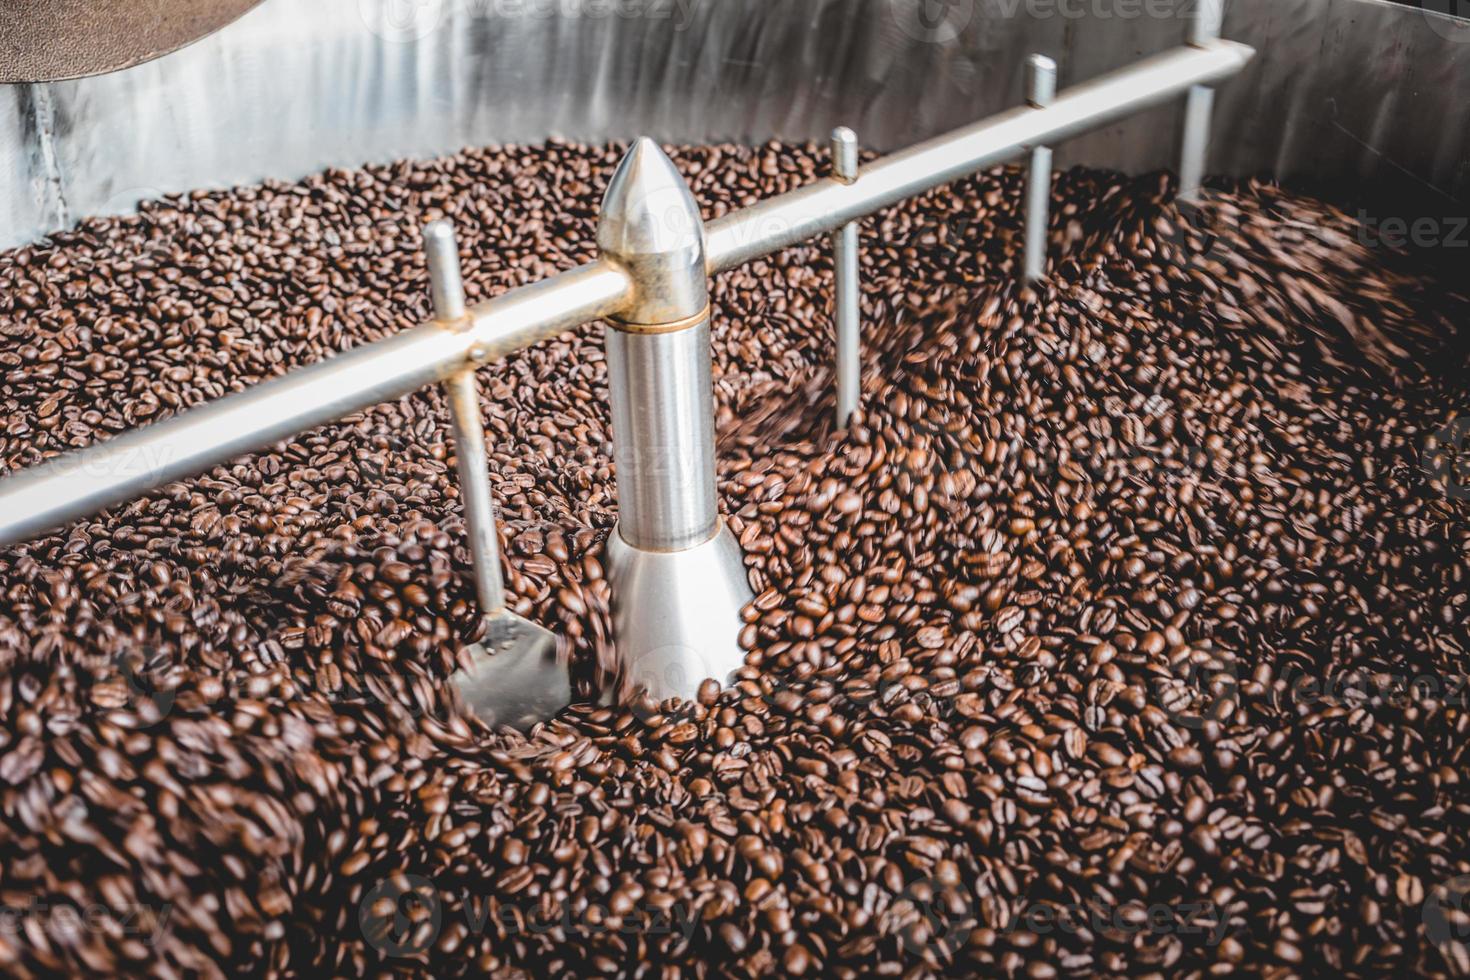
[(1199, 105), (1041, 90), (847, 316), (447, 288)]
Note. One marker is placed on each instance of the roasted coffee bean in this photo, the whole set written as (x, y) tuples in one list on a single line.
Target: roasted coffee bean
[(1037, 675)]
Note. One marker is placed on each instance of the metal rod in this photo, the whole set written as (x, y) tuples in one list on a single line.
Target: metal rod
[(806, 212), (663, 427), (1199, 104), (847, 317), (474, 485), (1041, 90), (84, 483), (446, 281), (446, 285)]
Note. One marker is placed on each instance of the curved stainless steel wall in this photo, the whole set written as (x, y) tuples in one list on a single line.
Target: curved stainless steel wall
[(1356, 90)]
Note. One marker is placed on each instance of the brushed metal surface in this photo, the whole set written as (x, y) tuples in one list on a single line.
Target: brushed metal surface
[(659, 381), (663, 431), (650, 226), (1361, 91), (846, 286), (676, 615), (516, 679)]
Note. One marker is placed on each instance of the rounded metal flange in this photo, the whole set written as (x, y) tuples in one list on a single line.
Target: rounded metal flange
[(676, 614)]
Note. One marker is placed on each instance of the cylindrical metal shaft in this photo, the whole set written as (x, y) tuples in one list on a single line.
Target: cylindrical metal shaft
[(1194, 148), (474, 488), (446, 285), (1199, 104), (658, 356), (446, 281), (83, 483), (663, 436), (1041, 89), (847, 317)]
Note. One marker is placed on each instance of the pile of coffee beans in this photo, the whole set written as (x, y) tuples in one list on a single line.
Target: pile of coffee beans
[(1122, 632)]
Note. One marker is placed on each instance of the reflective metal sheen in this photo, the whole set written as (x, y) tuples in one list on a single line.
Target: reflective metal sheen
[(847, 289), (518, 679), (1199, 105), (663, 430), (1361, 92), (677, 578), (660, 217), (1041, 89), (676, 614), (807, 211), (515, 679), (650, 226), (85, 482)]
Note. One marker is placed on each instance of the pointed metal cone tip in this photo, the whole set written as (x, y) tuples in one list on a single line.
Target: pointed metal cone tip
[(648, 209)]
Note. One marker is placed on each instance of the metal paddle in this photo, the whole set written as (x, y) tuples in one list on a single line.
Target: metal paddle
[(514, 677)]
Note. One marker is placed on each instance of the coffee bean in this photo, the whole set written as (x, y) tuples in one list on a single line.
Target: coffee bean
[(1029, 632)]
